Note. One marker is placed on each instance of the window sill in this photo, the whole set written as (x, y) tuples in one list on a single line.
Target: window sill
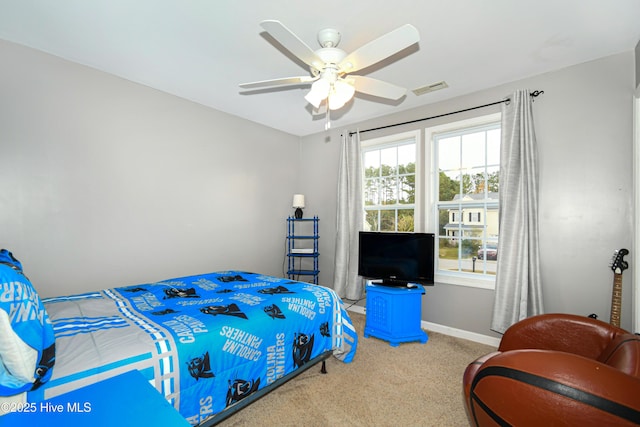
[(465, 280)]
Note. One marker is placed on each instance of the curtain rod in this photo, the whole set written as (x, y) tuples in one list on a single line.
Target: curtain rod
[(534, 94)]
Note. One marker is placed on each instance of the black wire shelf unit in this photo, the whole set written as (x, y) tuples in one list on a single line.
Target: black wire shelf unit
[(302, 248)]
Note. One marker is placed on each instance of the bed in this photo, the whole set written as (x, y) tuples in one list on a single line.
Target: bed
[(209, 343)]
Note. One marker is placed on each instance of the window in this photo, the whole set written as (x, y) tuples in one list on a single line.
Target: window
[(475, 216), (467, 160), (445, 183), (390, 183)]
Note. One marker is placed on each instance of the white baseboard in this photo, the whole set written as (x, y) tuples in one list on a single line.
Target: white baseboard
[(357, 309), (446, 330), (461, 333)]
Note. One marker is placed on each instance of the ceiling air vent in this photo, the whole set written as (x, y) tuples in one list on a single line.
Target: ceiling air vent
[(430, 88)]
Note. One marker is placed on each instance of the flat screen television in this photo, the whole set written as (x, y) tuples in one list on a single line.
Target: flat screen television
[(396, 259)]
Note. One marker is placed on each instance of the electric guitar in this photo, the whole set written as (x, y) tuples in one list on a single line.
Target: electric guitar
[(618, 265)]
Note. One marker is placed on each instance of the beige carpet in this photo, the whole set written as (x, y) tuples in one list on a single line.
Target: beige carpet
[(410, 385)]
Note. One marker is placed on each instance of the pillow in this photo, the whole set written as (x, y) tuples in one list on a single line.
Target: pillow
[(27, 342)]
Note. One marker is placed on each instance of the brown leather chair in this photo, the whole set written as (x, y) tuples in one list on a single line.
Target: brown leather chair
[(557, 370)]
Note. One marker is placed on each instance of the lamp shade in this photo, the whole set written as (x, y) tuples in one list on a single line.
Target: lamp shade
[(298, 200)]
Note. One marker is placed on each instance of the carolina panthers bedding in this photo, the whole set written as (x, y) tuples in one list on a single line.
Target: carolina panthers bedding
[(27, 346), (204, 341)]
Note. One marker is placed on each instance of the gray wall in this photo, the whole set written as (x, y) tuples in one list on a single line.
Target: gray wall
[(104, 182), (584, 128), (638, 65)]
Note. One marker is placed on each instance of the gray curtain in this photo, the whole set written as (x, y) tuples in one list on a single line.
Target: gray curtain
[(518, 291), (346, 281)]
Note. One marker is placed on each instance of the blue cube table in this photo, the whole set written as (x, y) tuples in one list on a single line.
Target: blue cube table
[(394, 314)]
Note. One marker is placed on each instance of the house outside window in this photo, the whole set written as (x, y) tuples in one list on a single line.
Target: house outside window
[(466, 187), (390, 183)]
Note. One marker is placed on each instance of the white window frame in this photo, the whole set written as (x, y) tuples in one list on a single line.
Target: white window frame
[(425, 211), (431, 211), (392, 140)]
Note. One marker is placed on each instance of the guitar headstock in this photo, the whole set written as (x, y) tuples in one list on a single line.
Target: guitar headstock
[(618, 264)]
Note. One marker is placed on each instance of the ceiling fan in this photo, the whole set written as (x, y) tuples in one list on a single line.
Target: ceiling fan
[(330, 67)]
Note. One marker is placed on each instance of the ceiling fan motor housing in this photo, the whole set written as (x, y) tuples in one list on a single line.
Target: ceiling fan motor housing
[(331, 55)]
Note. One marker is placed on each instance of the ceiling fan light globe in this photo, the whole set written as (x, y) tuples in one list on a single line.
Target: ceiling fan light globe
[(319, 92), (321, 88), (341, 93), (335, 103), (344, 90), (313, 100)]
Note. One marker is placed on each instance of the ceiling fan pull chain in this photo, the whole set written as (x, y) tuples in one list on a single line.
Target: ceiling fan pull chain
[(327, 114)]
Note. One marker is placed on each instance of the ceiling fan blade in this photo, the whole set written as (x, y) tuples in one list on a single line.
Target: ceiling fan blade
[(292, 43), (376, 87), (380, 48), (287, 81)]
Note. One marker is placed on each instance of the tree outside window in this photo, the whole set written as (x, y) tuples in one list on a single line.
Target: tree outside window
[(389, 186)]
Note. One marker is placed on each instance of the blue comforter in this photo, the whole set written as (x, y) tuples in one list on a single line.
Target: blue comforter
[(205, 341)]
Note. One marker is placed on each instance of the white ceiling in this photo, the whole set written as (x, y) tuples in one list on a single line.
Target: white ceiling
[(202, 49)]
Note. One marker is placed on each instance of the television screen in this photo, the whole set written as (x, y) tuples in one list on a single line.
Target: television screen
[(396, 258)]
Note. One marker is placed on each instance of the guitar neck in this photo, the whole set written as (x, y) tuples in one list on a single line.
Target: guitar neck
[(616, 298)]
